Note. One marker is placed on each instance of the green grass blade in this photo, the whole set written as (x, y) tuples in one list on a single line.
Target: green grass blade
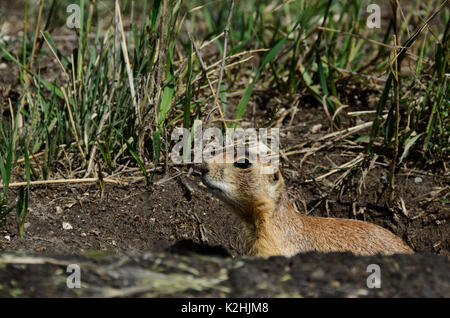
[(242, 106)]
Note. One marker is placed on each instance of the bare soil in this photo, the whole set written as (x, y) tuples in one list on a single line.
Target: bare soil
[(151, 218)]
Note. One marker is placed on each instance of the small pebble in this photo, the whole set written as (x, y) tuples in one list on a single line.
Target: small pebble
[(418, 180), (67, 226), (315, 129)]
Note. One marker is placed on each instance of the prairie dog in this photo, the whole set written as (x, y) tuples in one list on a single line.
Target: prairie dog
[(272, 225)]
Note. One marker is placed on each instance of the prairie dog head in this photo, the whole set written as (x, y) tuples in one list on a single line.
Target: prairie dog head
[(243, 184)]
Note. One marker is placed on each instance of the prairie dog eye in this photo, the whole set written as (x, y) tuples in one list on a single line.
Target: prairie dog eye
[(242, 163)]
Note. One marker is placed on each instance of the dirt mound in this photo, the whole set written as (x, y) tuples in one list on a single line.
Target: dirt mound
[(194, 275), (138, 218)]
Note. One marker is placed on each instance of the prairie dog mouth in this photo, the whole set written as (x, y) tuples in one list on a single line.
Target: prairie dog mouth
[(219, 189), (214, 185)]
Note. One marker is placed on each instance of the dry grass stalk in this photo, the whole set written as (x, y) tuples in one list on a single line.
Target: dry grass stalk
[(63, 181), (225, 42)]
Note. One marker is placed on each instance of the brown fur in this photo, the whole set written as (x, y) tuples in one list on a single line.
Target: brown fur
[(274, 227)]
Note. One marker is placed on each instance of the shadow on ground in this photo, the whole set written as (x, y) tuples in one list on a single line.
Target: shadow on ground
[(106, 274)]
